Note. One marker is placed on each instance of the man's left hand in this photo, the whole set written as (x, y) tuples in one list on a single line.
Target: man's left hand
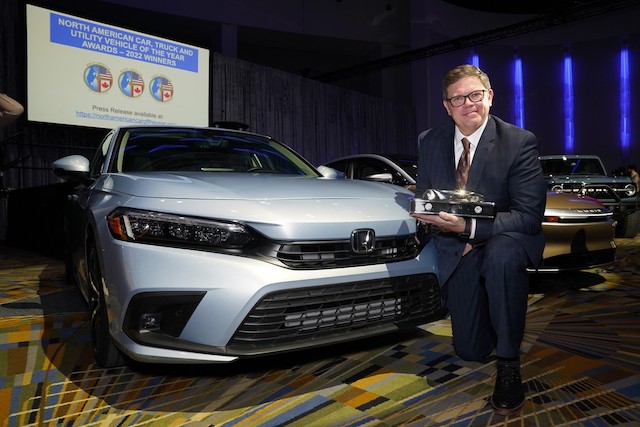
[(445, 221)]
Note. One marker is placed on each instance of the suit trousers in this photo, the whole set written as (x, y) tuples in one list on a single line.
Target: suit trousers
[(487, 299)]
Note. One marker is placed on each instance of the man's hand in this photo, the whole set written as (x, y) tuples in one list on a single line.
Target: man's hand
[(445, 221)]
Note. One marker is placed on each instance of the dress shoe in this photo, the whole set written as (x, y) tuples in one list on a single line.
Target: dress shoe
[(508, 394)]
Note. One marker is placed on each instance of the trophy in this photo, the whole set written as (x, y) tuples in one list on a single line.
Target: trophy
[(459, 202)]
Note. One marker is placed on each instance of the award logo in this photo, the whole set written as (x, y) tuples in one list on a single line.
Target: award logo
[(98, 78), (131, 83)]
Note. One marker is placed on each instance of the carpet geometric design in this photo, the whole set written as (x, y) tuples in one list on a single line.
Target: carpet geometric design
[(581, 364)]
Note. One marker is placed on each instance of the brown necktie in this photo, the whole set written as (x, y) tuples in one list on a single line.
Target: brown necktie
[(462, 170)]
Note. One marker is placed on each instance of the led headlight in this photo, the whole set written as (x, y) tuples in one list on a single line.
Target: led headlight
[(142, 226)]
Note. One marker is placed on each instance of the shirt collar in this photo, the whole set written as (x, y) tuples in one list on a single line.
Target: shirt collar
[(474, 138)]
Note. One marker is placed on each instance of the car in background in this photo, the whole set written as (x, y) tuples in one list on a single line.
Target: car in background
[(586, 175), (579, 230), (205, 245)]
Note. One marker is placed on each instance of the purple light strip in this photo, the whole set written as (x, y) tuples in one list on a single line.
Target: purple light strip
[(568, 105), (625, 100)]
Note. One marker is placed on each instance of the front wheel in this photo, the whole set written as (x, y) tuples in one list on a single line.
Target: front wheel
[(105, 352)]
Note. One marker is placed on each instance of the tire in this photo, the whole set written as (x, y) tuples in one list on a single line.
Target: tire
[(629, 226), (105, 353)]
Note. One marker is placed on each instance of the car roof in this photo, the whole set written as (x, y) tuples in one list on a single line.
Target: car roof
[(210, 128), (569, 156), (394, 157)]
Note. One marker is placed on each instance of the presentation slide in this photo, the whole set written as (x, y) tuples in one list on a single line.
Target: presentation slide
[(84, 73)]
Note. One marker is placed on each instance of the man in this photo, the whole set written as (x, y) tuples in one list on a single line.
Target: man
[(482, 262), (633, 173)]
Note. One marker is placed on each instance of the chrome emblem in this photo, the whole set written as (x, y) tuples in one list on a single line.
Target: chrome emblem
[(363, 240)]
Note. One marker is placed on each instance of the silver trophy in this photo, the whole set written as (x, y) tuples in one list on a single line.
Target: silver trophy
[(459, 202)]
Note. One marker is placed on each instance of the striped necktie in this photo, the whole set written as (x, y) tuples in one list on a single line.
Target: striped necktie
[(462, 171)]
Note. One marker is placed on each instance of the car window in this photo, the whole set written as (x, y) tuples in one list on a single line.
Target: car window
[(204, 150), (408, 164), (366, 167), (371, 168), (339, 165)]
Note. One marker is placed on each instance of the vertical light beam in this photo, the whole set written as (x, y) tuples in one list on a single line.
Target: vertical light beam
[(625, 100), (568, 104), (474, 59), (518, 91)]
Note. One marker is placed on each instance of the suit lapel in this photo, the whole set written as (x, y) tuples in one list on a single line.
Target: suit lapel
[(447, 151), (485, 145)]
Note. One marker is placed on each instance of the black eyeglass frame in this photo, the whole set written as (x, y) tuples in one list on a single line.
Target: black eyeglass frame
[(468, 96)]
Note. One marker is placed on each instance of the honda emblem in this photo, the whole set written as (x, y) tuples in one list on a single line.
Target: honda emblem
[(363, 240)]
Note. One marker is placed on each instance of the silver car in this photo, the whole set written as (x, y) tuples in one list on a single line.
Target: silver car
[(205, 245)]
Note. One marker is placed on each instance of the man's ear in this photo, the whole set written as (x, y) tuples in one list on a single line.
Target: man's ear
[(445, 103)]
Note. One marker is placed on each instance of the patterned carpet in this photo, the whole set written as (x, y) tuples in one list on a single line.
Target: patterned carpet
[(581, 366)]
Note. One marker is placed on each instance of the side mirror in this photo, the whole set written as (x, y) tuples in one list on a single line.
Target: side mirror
[(330, 173), (380, 177), (72, 168)]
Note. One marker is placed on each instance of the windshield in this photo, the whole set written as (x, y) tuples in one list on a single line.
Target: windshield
[(566, 166), (204, 150)]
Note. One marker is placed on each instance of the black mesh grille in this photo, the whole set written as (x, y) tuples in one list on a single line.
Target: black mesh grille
[(318, 255), (307, 315)]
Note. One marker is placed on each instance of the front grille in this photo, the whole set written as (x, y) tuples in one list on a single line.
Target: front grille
[(599, 192), (592, 190), (318, 255), (332, 313)]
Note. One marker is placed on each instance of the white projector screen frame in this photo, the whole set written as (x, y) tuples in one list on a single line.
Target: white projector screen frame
[(85, 73)]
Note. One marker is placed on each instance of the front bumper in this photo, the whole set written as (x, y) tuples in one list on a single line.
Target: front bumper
[(251, 307), (577, 246)]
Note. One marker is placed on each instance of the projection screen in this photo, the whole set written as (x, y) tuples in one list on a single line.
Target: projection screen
[(85, 73)]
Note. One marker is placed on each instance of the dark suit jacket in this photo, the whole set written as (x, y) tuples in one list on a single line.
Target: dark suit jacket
[(505, 169)]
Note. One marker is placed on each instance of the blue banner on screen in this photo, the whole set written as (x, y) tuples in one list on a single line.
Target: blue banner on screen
[(86, 73), (100, 38)]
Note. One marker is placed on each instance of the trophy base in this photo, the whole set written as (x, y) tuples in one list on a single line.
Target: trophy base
[(460, 208)]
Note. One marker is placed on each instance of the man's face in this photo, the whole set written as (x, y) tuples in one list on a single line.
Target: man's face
[(470, 115)]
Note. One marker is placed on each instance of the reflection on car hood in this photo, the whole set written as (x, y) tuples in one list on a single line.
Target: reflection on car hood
[(571, 201)]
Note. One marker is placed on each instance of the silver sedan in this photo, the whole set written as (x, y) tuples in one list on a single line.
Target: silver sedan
[(205, 245)]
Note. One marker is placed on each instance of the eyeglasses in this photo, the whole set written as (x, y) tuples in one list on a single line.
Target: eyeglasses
[(475, 96)]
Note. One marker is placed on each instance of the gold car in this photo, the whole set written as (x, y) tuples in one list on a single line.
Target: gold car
[(579, 233)]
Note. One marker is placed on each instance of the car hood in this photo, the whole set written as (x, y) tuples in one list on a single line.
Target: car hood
[(230, 186), (571, 201), (279, 206)]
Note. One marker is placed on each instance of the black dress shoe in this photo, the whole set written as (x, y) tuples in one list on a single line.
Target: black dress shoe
[(508, 395)]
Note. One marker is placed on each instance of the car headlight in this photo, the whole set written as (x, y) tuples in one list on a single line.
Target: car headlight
[(629, 190), (134, 225)]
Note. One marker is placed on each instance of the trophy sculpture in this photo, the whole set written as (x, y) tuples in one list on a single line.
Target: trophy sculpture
[(459, 202)]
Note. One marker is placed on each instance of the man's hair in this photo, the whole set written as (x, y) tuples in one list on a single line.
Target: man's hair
[(462, 71)]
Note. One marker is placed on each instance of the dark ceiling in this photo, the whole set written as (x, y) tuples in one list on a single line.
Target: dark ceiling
[(517, 6)]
